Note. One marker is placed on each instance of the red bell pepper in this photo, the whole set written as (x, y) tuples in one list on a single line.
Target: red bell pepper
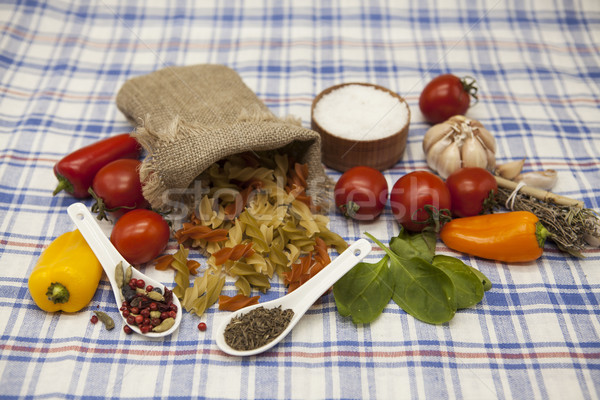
[(76, 171)]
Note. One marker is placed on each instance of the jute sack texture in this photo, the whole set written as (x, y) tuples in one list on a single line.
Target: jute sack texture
[(189, 117)]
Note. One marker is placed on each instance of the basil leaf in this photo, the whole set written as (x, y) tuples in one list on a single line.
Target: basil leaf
[(420, 289), (468, 286), (407, 245), (423, 291), (487, 284), (364, 291)]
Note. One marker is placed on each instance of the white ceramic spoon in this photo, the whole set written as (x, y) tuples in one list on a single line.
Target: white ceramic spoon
[(300, 299), (109, 257)]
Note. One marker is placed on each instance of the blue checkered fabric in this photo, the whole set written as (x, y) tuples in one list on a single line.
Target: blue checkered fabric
[(536, 334)]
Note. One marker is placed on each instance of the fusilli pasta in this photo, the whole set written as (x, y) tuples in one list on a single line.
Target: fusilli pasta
[(255, 221)]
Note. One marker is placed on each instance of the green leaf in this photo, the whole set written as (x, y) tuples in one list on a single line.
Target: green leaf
[(407, 245), (487, 284), (468, 286), (364, 291), (423, 291), (420, 289)]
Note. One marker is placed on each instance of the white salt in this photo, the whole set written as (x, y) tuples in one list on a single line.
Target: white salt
[(358, 112)]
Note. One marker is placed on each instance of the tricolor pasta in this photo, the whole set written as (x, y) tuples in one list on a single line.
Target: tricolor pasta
[(256, 220)]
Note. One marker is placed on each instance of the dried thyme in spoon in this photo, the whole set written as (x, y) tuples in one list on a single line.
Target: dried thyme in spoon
[(257, 327)]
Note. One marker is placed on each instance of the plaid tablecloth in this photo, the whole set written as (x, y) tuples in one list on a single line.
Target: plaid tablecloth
[(536, 334)]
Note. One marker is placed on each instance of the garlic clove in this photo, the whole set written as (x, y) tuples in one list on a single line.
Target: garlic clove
[(511, 169), (476, 124), (592, 232), (491, 159), (435, 151), (448, 160), (435, 134), (473, 154), (459, 119), (486, 137), (539, 179), (592, 240)]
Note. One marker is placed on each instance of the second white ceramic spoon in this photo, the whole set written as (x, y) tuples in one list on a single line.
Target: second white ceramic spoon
[(109, 257), (300, 299)]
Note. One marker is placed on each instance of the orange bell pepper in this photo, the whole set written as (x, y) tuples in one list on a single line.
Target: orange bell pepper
[(516, 236)]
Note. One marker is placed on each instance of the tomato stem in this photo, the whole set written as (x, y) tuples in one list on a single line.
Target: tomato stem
[(435, 220), (490, 202), (469, 84), (100, 207), (349, 209)]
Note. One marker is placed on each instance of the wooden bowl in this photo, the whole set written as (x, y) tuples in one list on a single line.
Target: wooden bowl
[(342, 154)]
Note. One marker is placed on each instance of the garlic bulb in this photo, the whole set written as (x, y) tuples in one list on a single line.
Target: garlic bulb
[(459, 142)]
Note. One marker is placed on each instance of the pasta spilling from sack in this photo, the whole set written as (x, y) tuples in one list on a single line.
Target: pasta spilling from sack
[(255, 220)]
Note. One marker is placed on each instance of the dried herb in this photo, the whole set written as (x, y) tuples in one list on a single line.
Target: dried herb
[(568, 225), (257, 327)]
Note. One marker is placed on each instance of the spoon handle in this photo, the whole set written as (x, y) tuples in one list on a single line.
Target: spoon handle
[(106, 253), (314, 288)]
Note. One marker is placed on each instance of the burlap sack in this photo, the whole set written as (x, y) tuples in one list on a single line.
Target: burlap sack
[(190, 117)]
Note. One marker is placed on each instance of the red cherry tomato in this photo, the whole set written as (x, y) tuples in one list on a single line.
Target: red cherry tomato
[(117, 188), (140, 236), (361, 193), (420, 199), (446, 96), (472, 191)]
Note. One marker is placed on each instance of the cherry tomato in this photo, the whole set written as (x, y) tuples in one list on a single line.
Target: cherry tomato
[(446, 96), (472, 191), (117, 188), (420, 199), (361, 193), (140, 235)]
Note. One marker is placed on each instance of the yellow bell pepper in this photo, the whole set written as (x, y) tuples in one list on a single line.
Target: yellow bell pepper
[(66, 275)]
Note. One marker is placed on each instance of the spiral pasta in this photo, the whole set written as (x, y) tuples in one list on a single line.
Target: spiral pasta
[(205, 290), (257, 220), (236, 302)]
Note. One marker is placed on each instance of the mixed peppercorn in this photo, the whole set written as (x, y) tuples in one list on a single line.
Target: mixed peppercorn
[(147, 307)]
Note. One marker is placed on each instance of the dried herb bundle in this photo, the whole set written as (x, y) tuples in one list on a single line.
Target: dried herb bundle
[(568, 225), (257, 327)]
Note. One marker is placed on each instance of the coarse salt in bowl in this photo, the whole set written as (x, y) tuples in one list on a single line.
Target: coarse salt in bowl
[(360, 124)]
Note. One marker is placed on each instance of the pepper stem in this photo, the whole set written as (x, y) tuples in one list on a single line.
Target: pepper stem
[(58, 293), (63, 184), (541, 233)]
